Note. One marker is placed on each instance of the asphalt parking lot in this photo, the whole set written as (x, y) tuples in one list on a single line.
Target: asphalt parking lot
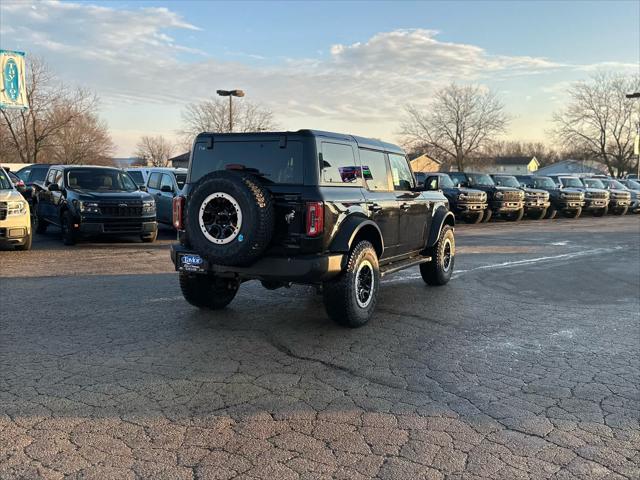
[(525, 366)]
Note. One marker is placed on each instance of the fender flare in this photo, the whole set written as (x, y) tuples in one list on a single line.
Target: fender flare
[(349, 229), (441, 217)]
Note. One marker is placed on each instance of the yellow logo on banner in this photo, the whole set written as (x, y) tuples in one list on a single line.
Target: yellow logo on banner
[(13, 92)]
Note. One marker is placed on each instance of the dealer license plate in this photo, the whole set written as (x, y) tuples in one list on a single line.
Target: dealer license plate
[(190, 262)]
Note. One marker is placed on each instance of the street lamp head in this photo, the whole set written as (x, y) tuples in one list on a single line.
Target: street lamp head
[(633, 95), (230, 93)]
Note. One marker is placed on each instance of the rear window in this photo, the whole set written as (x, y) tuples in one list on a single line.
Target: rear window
[(263, 158)]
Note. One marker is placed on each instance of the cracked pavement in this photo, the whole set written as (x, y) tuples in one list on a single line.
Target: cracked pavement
[(525, 366)]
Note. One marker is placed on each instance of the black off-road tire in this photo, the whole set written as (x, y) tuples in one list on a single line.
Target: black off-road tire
[(539, 216), (439, 270), (474, 218), (256, 207), (516, 216), (340, 295), (69, 237), (207, 291), (552, 213), (621, 211), (27, 244), (600, 212), (573, 213), (486, 216)]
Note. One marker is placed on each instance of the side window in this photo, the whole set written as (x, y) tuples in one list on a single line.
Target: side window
[(338, 165), (432, 183), (374, 170), (51, 176), (401, 173), (167, 181), (154, 180), (458, 178)]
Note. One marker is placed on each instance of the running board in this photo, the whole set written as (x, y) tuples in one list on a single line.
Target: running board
[(402, 264)]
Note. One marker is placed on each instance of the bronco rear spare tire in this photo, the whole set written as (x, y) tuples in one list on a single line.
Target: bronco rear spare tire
[(230, 218)]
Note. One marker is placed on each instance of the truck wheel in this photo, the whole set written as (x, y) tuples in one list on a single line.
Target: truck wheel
[(474, 218), (230, 218), (551, 213), (540, 215), (68, 235), (149, 238), (621, 211), (601, 212), (573, 213), (438, 271), (488, 213), (516, 216), (207, 291), (351, 298), (27, 243)]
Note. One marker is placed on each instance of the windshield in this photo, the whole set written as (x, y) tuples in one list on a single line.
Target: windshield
[(5, 183), (593, 183), (615, 184), (571, 182), (543, 182), (633, 184), (181, 179), (480, 179), (446, 182), (137, 176), (100, 180), (506, 182)]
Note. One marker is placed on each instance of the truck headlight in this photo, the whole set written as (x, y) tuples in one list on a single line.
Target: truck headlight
[(149, 206), (499, 195), (462, 196), (16, 208), (89, 207)]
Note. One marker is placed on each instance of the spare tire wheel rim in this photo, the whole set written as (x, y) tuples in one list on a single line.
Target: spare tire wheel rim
[(364, 284), (220, 218), (447, 255)]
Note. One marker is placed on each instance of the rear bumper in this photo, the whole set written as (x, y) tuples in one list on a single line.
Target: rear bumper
[(306, 269)]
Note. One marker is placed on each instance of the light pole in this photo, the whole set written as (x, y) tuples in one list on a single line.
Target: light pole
[(230, 94), (637, 95)]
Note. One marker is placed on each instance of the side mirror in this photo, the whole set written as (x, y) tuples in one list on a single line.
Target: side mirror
[(166, 188), (432, 184), (143, 188), (53, 187)]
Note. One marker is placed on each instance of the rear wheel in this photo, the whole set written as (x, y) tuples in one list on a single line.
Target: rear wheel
[(351, 298), (438, 271), (487, 215), (68, 235), (207, 291)]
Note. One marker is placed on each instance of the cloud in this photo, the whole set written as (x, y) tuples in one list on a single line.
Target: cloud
[(132, 59)]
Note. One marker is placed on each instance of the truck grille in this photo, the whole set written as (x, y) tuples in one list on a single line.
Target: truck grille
[(474, 197), (572, 197), (511, 196), (117, 209), (3, 210), (598, 194)]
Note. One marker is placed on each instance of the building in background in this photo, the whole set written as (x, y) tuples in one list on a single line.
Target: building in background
[(424, 163), (180, 161), (573, 167), (509, 165)]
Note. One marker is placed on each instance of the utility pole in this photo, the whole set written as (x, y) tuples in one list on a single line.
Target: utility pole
[(230, 94)]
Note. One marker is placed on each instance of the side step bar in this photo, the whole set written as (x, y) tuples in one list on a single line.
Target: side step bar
[(402, 264)]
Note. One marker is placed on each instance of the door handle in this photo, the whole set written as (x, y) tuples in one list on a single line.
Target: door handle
[(374, 207), (405, 206)]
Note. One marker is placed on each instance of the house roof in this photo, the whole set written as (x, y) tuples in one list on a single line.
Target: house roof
[(570, 166), (514, 160), (183, 157)]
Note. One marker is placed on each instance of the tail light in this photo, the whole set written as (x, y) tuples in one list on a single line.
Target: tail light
[(315, 218), (178, 207)]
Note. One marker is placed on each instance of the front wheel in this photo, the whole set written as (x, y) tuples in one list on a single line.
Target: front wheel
[(573, 213), (350, 299), (207, 291), (68, 235), (551, 213), (601, 212), (488, 213), (539, 215), (38, 224), (516, 216), (27, 243), (474, 218), (438, 271), (621, 211), (150, 237)]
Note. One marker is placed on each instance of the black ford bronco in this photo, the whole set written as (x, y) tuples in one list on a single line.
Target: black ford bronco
[(306, 207), (86, 200), (466, 204), (507, 202), (596, 200), (536, 201), (567, 201)]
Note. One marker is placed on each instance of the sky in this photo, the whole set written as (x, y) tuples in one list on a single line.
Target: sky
[(344, 66)]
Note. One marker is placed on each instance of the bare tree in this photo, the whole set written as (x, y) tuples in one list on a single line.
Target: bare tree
[(544, 153), (600, 122), (155, 150), (213, 116), (459, 122), (85, 140), (52, 106)]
